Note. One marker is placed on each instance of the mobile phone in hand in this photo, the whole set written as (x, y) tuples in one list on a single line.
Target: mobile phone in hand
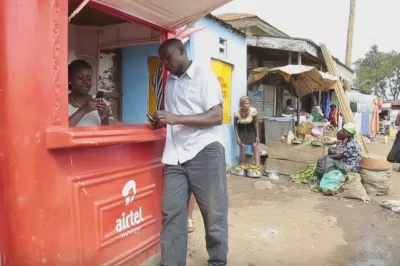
[(151, 118), (100, 95)]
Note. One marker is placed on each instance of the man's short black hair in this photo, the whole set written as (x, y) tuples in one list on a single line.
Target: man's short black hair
[(288, 101), (170, 42)]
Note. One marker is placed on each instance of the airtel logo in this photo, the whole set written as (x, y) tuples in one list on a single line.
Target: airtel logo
[(129, 191), (129, 222)]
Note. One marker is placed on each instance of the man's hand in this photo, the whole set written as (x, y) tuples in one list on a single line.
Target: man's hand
[(164, 117)]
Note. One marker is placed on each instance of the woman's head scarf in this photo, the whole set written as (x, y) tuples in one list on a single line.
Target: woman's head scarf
[(351, 128)]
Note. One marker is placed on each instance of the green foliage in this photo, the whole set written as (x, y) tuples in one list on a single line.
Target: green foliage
[(379, 73)]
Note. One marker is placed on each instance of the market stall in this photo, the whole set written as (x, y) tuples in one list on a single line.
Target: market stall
[(300, 81), (82, 195)]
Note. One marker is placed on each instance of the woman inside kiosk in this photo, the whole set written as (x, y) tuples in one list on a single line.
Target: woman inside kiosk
[(83, 109)]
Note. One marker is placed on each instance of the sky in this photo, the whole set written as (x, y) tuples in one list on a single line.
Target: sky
[(325, 21)]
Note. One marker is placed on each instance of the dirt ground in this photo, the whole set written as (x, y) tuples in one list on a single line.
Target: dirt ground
[(287, 224)]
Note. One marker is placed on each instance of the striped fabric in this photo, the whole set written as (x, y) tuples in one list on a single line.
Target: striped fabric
[(158, 79), (159, 87)]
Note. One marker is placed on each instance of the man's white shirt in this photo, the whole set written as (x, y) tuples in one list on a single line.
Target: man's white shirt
[(195, 92)]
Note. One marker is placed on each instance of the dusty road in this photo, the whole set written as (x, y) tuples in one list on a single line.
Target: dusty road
[(287, 224)]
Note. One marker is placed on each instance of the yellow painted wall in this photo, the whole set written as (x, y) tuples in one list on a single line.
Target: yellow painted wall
[(153, 63), (224, 73)]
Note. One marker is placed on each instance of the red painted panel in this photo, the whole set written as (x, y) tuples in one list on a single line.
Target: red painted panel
[(60, 188)]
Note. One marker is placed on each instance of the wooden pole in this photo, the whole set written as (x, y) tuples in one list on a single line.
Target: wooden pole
[(350, 33), (298, 103), (290, 58), (343, 102), (349, 44), (319, 94)]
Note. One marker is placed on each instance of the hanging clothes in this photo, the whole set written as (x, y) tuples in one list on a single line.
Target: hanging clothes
[(326, 104), (358, 121), (365, 124), (375, 119)]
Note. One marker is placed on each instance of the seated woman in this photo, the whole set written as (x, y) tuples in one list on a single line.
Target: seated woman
[(246, 129), (83, 109), (351, 155)]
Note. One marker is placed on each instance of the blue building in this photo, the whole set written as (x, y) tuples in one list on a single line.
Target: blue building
[(219, 46)]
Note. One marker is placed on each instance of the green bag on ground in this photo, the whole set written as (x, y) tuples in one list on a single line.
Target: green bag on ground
[(331, 180)]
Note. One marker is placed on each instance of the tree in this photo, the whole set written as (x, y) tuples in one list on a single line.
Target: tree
[(379, 73)]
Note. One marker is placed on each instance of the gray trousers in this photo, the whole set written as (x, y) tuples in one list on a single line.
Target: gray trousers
[(205, 177)]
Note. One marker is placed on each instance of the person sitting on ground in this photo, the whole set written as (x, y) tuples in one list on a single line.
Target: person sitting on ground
[(351, 155), (82, 108), (246, 129)]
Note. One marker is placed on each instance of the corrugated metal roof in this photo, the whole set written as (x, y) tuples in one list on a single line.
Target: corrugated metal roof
[(226, 25), (312, 43), (234, 16), (230, 17)]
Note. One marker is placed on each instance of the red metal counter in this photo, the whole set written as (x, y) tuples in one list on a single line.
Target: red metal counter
[(67, 196)]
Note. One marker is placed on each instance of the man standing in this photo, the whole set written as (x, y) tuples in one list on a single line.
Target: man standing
[(194, 157)]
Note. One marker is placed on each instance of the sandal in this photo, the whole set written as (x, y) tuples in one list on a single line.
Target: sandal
[(190, 226)]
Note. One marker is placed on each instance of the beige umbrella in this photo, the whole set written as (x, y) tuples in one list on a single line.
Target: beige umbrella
[(304, 79)]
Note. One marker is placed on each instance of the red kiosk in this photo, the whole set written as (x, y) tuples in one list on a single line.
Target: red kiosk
[(74, 196)]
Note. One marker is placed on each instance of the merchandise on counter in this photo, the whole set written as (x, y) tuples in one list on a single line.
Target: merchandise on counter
[(315, 132), (305, 128), (330, 131)]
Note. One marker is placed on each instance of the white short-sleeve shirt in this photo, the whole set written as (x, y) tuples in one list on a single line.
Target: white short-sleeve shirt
[(195, 92), (91, 119)]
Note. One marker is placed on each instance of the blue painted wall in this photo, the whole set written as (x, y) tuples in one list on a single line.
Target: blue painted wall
[(205, 45), (135, 82), (202, 47)]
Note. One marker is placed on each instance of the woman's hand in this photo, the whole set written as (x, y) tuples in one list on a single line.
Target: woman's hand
[(239, 142), (91, 105), (103, 110)]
